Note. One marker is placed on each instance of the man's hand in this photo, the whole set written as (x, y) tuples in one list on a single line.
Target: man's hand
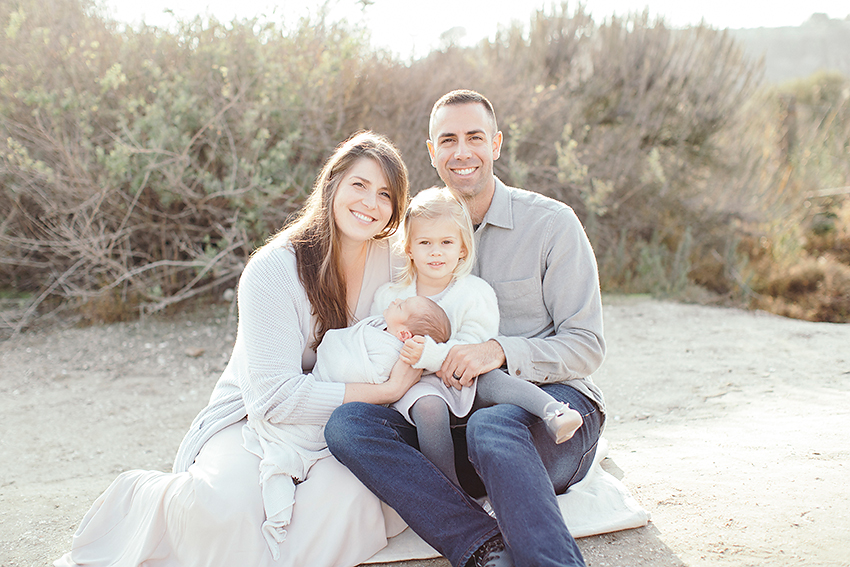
[(412, 350), (466, 362)]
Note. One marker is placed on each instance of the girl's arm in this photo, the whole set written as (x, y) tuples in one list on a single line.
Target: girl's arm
[(474, 312)]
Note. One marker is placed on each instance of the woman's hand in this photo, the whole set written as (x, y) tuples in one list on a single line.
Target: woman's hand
[(466, 362), (402, 377)]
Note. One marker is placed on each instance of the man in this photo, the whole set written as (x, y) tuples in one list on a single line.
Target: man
[(535, 254)]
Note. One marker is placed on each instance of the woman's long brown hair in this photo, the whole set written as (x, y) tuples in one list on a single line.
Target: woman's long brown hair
[(313, 233)]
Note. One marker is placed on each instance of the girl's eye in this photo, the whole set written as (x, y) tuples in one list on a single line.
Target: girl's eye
[(448, 242)]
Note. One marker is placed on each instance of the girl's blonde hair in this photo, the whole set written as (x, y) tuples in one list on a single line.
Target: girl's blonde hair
[(314, 236), (431, 204)]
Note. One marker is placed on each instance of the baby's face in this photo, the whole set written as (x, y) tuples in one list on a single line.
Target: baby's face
[(397, 314)]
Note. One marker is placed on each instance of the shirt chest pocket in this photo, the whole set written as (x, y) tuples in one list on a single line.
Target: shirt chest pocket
[(521, 308)]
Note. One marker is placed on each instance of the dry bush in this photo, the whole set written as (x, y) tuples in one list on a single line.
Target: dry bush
[(812, 289), (139, 167), (623, 121), (800, 267), (149, 163)]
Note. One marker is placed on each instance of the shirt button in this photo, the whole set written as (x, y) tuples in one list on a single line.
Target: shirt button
[(518, 371)]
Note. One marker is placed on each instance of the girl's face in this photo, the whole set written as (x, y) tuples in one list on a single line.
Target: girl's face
[(362, 205), (435, 247)]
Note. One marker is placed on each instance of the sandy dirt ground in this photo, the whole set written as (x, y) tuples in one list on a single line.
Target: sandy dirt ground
[(730, 427)]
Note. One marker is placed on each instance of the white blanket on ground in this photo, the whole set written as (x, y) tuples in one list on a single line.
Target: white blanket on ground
[(598, 504)]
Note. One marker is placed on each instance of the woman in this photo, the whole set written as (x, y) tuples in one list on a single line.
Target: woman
[(319, 273)]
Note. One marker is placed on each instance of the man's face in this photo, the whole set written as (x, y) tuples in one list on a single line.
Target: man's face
[(463, 147)]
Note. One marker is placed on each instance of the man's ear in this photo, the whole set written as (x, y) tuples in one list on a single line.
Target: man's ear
[(404, 334), (497, 145), (431, 152)]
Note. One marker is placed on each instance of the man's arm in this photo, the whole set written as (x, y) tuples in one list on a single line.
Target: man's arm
[(575, 347), (572, 346)]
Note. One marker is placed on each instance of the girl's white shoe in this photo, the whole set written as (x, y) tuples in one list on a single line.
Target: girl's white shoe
[(561, 420)]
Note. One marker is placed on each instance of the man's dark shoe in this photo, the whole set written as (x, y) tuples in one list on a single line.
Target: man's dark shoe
[(492, 554)]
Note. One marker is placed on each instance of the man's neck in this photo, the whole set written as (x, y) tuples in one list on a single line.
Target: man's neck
[(479, 204)]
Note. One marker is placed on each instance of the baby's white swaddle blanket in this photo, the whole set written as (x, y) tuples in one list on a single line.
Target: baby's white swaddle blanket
[(363, 352)]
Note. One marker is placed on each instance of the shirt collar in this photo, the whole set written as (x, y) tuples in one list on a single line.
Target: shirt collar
[(500, 213)]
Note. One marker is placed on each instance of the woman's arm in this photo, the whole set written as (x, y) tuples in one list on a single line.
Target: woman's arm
[(402, 377), (274, 316)]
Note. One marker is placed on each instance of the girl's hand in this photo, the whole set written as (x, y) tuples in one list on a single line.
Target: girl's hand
[(412, 350)]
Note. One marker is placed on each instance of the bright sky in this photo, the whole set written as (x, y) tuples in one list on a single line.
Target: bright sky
[(414, 26)]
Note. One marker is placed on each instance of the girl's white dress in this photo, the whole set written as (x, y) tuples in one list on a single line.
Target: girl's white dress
[(209, 512), (473, 311)]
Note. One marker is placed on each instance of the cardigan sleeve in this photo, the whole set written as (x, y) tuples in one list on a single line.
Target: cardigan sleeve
[(273, 314), (474, 314)]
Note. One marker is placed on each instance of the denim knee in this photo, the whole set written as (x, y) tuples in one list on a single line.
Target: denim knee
[(488, 428), (339, 427)]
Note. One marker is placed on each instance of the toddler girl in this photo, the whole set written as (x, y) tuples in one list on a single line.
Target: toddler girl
[(439, 244)]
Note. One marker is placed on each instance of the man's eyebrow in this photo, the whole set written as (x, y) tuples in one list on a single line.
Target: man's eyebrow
[(452, 134)]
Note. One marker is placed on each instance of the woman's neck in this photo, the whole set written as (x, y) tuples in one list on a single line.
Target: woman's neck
[(353, 264)]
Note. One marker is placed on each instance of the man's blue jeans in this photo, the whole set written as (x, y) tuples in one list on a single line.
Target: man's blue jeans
[(511, 452)]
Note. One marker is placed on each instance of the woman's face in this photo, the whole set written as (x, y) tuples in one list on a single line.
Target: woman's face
[(362, 206)]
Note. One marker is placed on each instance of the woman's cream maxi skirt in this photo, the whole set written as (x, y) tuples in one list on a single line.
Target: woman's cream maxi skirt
[(212, 515)]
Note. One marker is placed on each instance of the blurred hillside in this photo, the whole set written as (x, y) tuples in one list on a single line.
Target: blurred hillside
[(795, 52)]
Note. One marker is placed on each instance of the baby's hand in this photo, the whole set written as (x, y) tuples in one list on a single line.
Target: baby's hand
[(412, 350)]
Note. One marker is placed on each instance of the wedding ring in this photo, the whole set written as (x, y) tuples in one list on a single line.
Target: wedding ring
[(456, 377)]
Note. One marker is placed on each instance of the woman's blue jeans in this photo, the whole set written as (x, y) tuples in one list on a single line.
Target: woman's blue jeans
[(510, 452)]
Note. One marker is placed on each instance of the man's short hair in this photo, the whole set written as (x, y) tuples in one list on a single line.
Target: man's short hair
[(429, 319), (462, 96)]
